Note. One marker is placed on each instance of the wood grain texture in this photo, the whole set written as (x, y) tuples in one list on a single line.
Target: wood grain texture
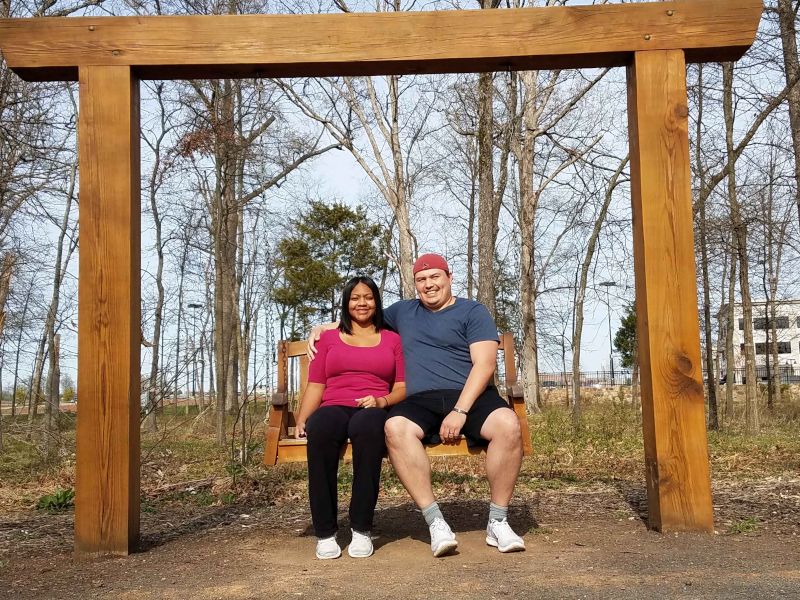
[(276, 429), (107, 469), (170, 47), (676, 450)]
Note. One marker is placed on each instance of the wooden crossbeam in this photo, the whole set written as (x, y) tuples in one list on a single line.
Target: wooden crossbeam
[(176, 47)]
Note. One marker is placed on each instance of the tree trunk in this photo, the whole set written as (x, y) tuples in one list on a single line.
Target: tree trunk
[(772, 262), (225, 224), (35, 387), (23, 320), (775, 381), (580, 292), (740, 232), (711, 389), (156, 177), (787, 21), (53, 395), (181, 281), (635, 399), (769, 341), (487, 222), (6, 271), (523, 143), (730, 324), (399, 194)]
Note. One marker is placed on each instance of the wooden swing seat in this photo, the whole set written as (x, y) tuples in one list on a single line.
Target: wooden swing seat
[(282, 447)]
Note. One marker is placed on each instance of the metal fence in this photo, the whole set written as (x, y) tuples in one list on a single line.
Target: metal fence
[(603, 379), (592, 379), (786, 374)]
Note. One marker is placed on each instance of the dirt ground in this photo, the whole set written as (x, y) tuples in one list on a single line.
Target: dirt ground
[(583, 541)]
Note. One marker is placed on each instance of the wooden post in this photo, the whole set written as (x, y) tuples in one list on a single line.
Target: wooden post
[(107, 469), (676, 450)]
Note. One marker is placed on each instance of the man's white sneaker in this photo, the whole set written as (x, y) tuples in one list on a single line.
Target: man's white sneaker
[(443, 540), (500, 535), (361, 545), (328, 548)]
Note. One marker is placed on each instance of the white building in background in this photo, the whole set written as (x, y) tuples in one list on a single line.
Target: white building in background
[(787, 332)]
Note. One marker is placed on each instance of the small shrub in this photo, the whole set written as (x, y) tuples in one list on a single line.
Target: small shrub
[(235, 469), (58, 500)]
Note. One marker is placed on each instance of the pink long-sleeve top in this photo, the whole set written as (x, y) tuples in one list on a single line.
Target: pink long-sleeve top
[(350, 372)]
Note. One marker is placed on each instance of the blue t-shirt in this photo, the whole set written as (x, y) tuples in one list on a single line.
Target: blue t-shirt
[(436, 344)]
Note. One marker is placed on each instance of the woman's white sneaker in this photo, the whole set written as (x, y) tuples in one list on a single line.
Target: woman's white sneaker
[(500, 535), (361, 545), (443, 540), (327, 548)]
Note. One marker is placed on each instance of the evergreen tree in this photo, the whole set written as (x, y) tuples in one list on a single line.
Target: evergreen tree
[(625, 338), (329, 244)]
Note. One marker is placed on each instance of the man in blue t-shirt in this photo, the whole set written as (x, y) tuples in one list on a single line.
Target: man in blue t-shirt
[(450, 351)]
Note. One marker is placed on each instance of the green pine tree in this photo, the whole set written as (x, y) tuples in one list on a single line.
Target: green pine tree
[(625, 338), (329, 244)]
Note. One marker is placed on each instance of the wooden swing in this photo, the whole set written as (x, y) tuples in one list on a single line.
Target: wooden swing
[(280, 445), (109, 55)]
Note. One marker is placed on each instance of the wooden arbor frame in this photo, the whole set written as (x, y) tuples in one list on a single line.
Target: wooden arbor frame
[(108, 56)]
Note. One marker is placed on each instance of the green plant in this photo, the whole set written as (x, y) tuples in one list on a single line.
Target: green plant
[(235, 469), (58, 500), (746, 525)]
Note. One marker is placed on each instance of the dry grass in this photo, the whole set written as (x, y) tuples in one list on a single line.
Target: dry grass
[(183, 465)]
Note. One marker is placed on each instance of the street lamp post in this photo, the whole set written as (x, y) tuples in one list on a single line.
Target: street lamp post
[(607, 285), (194, 306)]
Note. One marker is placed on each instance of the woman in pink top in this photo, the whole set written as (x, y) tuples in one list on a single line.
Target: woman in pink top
[(355, 376)]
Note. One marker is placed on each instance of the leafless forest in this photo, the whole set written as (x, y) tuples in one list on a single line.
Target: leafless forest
[(520, 178)]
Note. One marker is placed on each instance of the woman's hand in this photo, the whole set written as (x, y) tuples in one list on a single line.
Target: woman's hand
[(300, 430), (371, 401)]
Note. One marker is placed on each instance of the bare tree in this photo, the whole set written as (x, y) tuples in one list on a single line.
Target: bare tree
[(374, 109), (739, 225), (541, 113), (580, 291), (237, 126), (730, 323), (6, 271), (159, 171), (702, 225), (787, 19)]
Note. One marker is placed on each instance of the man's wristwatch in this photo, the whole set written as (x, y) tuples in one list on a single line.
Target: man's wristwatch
[(460, 411)]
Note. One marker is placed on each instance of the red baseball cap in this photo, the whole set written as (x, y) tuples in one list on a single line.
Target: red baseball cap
[(431, 261)]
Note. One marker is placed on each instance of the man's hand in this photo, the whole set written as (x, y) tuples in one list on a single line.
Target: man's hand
[(313, 337), (450, 431)]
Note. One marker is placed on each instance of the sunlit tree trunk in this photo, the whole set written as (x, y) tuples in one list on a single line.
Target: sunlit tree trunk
[(787, 18), (740, 233), (730, 324), (580, 292), (157, 175), (711, 385)]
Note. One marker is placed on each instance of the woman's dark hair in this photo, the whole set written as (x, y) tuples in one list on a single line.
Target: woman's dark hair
[(345, 321)]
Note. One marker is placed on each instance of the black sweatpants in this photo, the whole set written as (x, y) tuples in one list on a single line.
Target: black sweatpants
[(327, 429)]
